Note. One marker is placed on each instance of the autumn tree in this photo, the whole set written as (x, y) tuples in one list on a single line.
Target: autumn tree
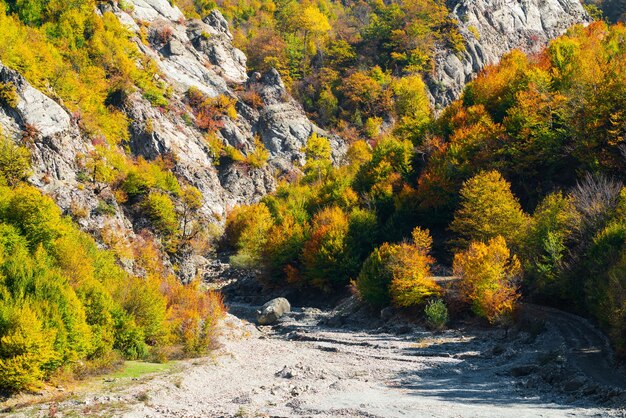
[(191, 201), (324, 253), (14, 161), (489, 275), (246, 230), (412, 106), (487, 209), (317, 152), (398, 273)]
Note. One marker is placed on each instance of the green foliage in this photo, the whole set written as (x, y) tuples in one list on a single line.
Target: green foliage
[(8, 95), (65, 303), (374, 279), (436, 314), (160, 210)]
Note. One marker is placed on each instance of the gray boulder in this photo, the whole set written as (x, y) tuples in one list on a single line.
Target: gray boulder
[(272, 310)]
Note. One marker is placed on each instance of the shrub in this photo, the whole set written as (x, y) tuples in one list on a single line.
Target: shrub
[(436, 314), (14, 161), (195, 314), (259, 156), (488, 275), (8, 95), (161, 211), (246, 230), (399, 273), (210, 111)]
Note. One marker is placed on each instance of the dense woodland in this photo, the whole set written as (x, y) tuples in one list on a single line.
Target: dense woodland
[(517, 187)]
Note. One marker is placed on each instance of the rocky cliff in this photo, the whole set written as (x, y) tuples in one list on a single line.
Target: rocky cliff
[(493, 27)]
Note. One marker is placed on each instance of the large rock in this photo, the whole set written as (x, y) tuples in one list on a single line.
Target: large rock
[(272, 311)]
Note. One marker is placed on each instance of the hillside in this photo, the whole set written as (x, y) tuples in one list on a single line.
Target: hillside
[(327, 147)]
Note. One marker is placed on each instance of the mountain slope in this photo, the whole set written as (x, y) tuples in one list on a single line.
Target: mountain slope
[(217, 125)]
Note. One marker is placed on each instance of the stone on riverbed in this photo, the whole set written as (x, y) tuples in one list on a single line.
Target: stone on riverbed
[(272, 310)]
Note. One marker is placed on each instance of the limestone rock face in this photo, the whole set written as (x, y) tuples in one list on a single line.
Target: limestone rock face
[(492, 28)]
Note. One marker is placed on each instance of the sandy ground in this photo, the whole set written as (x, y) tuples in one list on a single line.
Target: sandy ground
[(304, 368)]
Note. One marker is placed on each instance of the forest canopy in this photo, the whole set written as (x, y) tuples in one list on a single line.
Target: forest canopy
[(522, 177)]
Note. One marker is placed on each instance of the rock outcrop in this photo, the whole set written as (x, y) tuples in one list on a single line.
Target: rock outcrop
[(492, 28)]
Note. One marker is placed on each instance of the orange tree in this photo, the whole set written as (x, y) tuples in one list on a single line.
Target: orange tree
[(488, 275)]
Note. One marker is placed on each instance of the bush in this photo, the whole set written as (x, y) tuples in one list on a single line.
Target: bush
[(398, 273), (195, 314), (210, 111), (14, 161), (162, 214), (488, 275), (247, 230), (259, 156), (8, 95), (436, 314)]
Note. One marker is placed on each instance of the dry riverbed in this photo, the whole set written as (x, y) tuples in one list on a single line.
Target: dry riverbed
[(313, 364)]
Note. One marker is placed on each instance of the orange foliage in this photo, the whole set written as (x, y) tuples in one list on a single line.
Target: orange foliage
[(488, 278)]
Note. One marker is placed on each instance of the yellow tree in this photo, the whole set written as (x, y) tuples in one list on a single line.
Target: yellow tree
[(488, 209), (314, 25)]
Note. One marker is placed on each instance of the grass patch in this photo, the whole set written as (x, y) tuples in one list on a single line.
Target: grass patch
[(134, 369)]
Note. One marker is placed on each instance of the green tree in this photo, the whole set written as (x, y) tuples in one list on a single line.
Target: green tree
[(159, 208)]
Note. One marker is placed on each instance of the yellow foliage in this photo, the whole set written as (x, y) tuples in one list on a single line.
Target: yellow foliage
[(488, 209)]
